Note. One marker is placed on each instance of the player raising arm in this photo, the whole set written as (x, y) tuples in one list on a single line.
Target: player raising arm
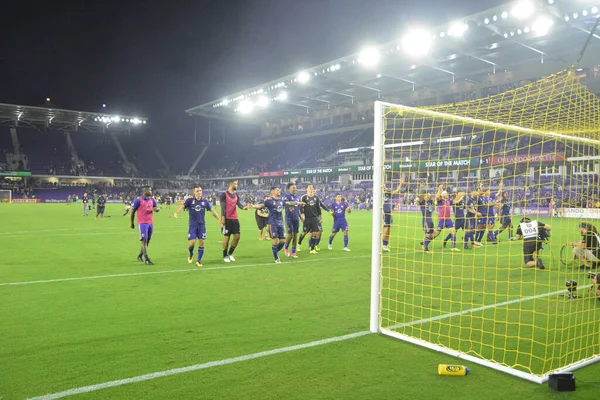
[(387, 213), (339, 208), (145, 205), (197, 207)]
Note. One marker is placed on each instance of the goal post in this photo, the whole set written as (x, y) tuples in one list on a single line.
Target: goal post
[(5, 196), (459, 283)]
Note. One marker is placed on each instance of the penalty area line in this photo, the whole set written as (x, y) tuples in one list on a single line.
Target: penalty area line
[(173, 271)]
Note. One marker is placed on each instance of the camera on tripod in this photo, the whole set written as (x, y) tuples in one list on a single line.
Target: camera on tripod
[(592, 275)]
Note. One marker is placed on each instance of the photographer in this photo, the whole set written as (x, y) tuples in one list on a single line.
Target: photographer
[(534, 234), (587, 249)]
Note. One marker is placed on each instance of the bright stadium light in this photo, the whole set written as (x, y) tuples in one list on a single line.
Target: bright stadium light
[(458, 29), (594, 10), (245, 107), (262, 102), (542, 25), (303, 77), (369, 57), (523, 9), (282, 96), (417, 43), (225, 102)]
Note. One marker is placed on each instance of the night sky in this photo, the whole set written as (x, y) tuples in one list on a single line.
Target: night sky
[(158, 58)]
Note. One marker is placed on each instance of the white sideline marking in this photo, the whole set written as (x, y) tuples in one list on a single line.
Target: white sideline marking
[(82, 278), (196, 367), (175, 371)]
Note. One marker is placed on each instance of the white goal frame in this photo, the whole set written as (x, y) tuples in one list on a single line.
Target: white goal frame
[(9, 195), (376, 254)]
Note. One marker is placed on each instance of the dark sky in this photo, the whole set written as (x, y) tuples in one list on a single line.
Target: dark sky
[(157, 58)]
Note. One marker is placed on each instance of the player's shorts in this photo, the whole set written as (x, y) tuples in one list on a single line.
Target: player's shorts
[(445, 223), (293, 225), (530, 247), (232, 227), (311, 224), (277, 231), (197, 232), (460, 223), (262, 222), (491, 221), (428, 226), (482, 221), (471, 223), (505, 221), (339, 226), (146, 231), (387, 219), (100, 210)]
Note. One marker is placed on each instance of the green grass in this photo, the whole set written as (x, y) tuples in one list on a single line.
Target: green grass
[(61, 335)]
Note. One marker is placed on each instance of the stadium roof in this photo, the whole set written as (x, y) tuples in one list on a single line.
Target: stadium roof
[(499, 39), (66, 120)]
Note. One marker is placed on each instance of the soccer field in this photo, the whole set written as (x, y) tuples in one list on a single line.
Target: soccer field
[(78, 311)]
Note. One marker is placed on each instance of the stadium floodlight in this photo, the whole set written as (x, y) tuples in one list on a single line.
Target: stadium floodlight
[(282, 96), (542, 25), (417, 43), (262, 102), (225, 102), (584, 13), (369, 57), (450, 139), (353, 149), (245, 107), (594, 10), (405, 144), (504, 15), (303, 77), (522, 9), (458, 29)]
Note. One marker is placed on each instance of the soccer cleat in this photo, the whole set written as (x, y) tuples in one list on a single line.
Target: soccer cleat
[(148, 262), (287, 252), (294, 255), (330, 247), (427, 251), (298, 249), (385, 248), (140, 259), (231, 258), (454, 249), (317, 248), (278, 261), (444, 243), (226, 259), (190, 259), (346, 249), (198, 264), (539, 264), (478, 244), (313, 252)]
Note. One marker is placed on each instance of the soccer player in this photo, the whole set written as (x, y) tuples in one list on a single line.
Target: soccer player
[(460, 208), (444, 218), (426, 204), (127, 203), (505, 219), (262, 220), (85, 200), (230, 201), (588, 249), (145, 205), (169, 200), (387, 213), (533, 234), (471, 220), (197, 207), (485, 207), (339, 209), (309, 215), (100, 207), (276, 205), (292, 220)]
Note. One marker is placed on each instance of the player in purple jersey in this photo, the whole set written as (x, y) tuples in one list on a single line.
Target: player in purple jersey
[(292, 220), (276, 205), (444, 219), (197, 207), (339, 208)]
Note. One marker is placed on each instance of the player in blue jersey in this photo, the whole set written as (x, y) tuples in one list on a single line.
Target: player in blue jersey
[(339, 208), (387, 213), (427, 206), (505, 218), (197, 207), (292, 220), (276, 205), (471, 219), (485, 207)]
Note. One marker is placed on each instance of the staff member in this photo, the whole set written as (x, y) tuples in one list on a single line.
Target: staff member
[(533, 234)]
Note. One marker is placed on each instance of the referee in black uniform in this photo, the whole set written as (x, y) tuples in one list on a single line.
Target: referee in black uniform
[(310, 214)]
